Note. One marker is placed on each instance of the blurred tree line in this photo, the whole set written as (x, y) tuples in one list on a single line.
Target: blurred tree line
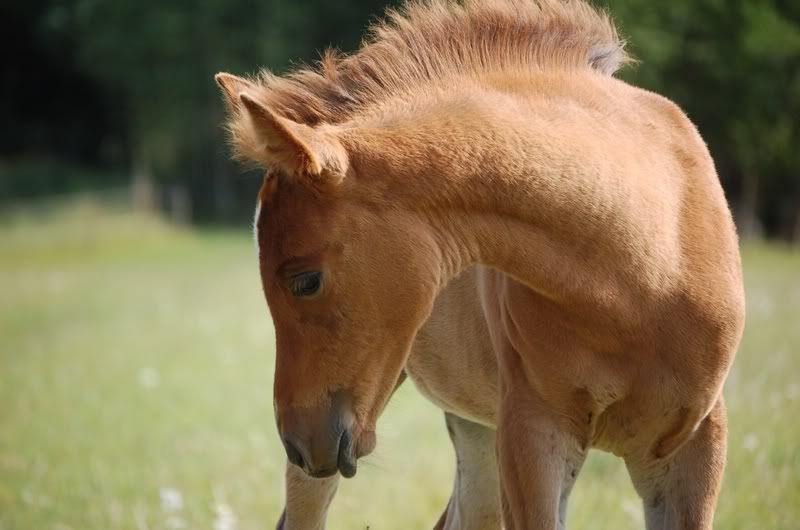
[(98, 93)]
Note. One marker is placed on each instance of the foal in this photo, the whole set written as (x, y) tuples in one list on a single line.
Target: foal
[(492, 133)]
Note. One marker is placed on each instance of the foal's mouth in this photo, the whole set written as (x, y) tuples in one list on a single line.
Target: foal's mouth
[(347, 461), (350, 450)]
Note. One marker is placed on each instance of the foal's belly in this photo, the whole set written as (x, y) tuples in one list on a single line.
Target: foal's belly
[(452, 362), (476, 403), (635, 403)]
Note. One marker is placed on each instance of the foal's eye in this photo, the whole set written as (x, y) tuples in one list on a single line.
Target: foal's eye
[(306, 284)]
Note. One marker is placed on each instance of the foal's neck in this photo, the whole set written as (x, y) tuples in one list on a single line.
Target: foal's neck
[(507, 183)]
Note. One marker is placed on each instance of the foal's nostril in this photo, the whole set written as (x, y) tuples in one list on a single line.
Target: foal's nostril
[(295, 457)]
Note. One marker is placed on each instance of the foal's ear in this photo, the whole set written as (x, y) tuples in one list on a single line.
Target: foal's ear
[(294, 147), (232, 86)]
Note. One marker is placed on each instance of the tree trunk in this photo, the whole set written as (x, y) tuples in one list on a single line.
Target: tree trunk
[(224, 198), (143, 187), (794, 220), (748, 223), (180, 205)]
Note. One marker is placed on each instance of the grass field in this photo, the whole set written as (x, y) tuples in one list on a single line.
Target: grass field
[(135, 392)]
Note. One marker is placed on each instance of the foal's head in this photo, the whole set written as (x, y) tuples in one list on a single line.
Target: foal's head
[(347, 275)]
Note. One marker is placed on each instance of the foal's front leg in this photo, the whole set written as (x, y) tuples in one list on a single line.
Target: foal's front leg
[(680, 492), (538, 459), (475, 502), (307, 500)]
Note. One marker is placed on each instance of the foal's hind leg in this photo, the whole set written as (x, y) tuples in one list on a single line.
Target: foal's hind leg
[(681, 491), (307, 500), (475, 502)]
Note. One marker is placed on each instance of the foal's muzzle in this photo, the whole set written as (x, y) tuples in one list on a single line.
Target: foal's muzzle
[(320, 440)]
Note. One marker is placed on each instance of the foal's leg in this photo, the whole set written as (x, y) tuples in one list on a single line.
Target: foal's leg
[(475, 503), (539, 460), (307, 500), (680, 492)]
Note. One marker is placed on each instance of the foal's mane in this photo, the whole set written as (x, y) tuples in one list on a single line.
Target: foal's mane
[(427, 41)]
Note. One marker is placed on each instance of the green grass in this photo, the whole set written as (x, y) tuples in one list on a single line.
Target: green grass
[(136, 360)]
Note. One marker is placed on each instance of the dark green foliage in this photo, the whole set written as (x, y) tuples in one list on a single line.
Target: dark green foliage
[(734, 66), (126, 86)]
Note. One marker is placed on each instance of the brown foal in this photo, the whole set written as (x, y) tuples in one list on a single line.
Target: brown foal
[(492, 133)]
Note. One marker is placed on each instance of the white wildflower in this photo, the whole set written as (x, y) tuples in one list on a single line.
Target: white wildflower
[(149, 378), (171, 499), (225, 520), (750, 442)]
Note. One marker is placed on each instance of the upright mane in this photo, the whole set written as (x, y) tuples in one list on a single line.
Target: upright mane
[(427, 41)]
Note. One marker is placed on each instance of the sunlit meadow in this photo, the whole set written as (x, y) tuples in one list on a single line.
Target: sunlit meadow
[(135, 392)]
